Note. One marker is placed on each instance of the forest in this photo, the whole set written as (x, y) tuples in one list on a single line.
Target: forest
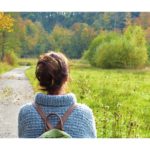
[(28, 34)]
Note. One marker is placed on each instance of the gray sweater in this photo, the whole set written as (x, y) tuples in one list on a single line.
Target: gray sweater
[(80, 124)]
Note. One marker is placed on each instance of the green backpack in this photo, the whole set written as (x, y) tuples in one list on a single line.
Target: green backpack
[(57, 131)]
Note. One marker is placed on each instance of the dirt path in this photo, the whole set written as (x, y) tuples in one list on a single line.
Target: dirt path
[(15, 90)]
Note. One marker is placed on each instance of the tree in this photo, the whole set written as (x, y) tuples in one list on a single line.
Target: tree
[(138, 55), (128, 19), (43, 41), (83, 34), (13, 42), (143, 20), (35, 39), (110, 21), (60, 39), (6, 25)]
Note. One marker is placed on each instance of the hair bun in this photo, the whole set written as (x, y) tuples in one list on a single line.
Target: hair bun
[(52, 71)]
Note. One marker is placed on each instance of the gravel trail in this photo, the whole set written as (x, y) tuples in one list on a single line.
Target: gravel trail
[(15, 90)]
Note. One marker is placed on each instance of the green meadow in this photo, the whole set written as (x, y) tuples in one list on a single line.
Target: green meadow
[(120, 99)]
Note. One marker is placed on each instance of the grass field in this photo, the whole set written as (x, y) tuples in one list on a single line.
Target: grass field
[(120, 99)]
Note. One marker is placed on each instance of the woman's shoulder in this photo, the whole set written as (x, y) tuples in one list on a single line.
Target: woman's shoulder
[(26, 108), (84, 109)]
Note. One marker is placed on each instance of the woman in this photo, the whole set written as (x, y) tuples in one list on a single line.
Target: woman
[(52, 73)]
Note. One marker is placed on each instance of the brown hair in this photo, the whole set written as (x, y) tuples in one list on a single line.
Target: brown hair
[(52, 71)]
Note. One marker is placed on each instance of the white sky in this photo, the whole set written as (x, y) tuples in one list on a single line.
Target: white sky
[(75, 5)]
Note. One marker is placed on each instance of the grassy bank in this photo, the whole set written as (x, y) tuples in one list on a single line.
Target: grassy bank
[(26, 61), (120, 99), (4, 67)]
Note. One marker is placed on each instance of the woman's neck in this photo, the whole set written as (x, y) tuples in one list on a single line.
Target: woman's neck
[(60, 92)]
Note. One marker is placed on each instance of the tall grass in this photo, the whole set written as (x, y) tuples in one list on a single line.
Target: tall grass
[(9, 62), (120, 99), (4, 67), (30, 73)]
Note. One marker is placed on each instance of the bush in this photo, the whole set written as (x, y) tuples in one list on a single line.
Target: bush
[(102, 38), (108, 55), (112, 50), (138, 54), (11, 58), (4, 67), (148, 50)]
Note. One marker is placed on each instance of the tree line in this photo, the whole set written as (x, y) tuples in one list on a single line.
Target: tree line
[(31, 33)]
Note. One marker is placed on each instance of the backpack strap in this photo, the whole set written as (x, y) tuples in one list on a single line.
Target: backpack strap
[(43, 116), (66, 115), (47, 127), (61, 121)]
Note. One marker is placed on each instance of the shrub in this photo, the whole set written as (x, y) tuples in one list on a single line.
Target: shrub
[(111, 50), (4, 67), (102, 38), (11, 58), (108, 55), (148, 50), (138, 55)]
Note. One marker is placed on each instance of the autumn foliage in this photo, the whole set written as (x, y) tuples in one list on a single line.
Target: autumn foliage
[(6, 22)]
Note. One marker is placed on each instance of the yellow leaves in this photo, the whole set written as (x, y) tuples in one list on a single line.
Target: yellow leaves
[(6, 22), (1, 15)]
